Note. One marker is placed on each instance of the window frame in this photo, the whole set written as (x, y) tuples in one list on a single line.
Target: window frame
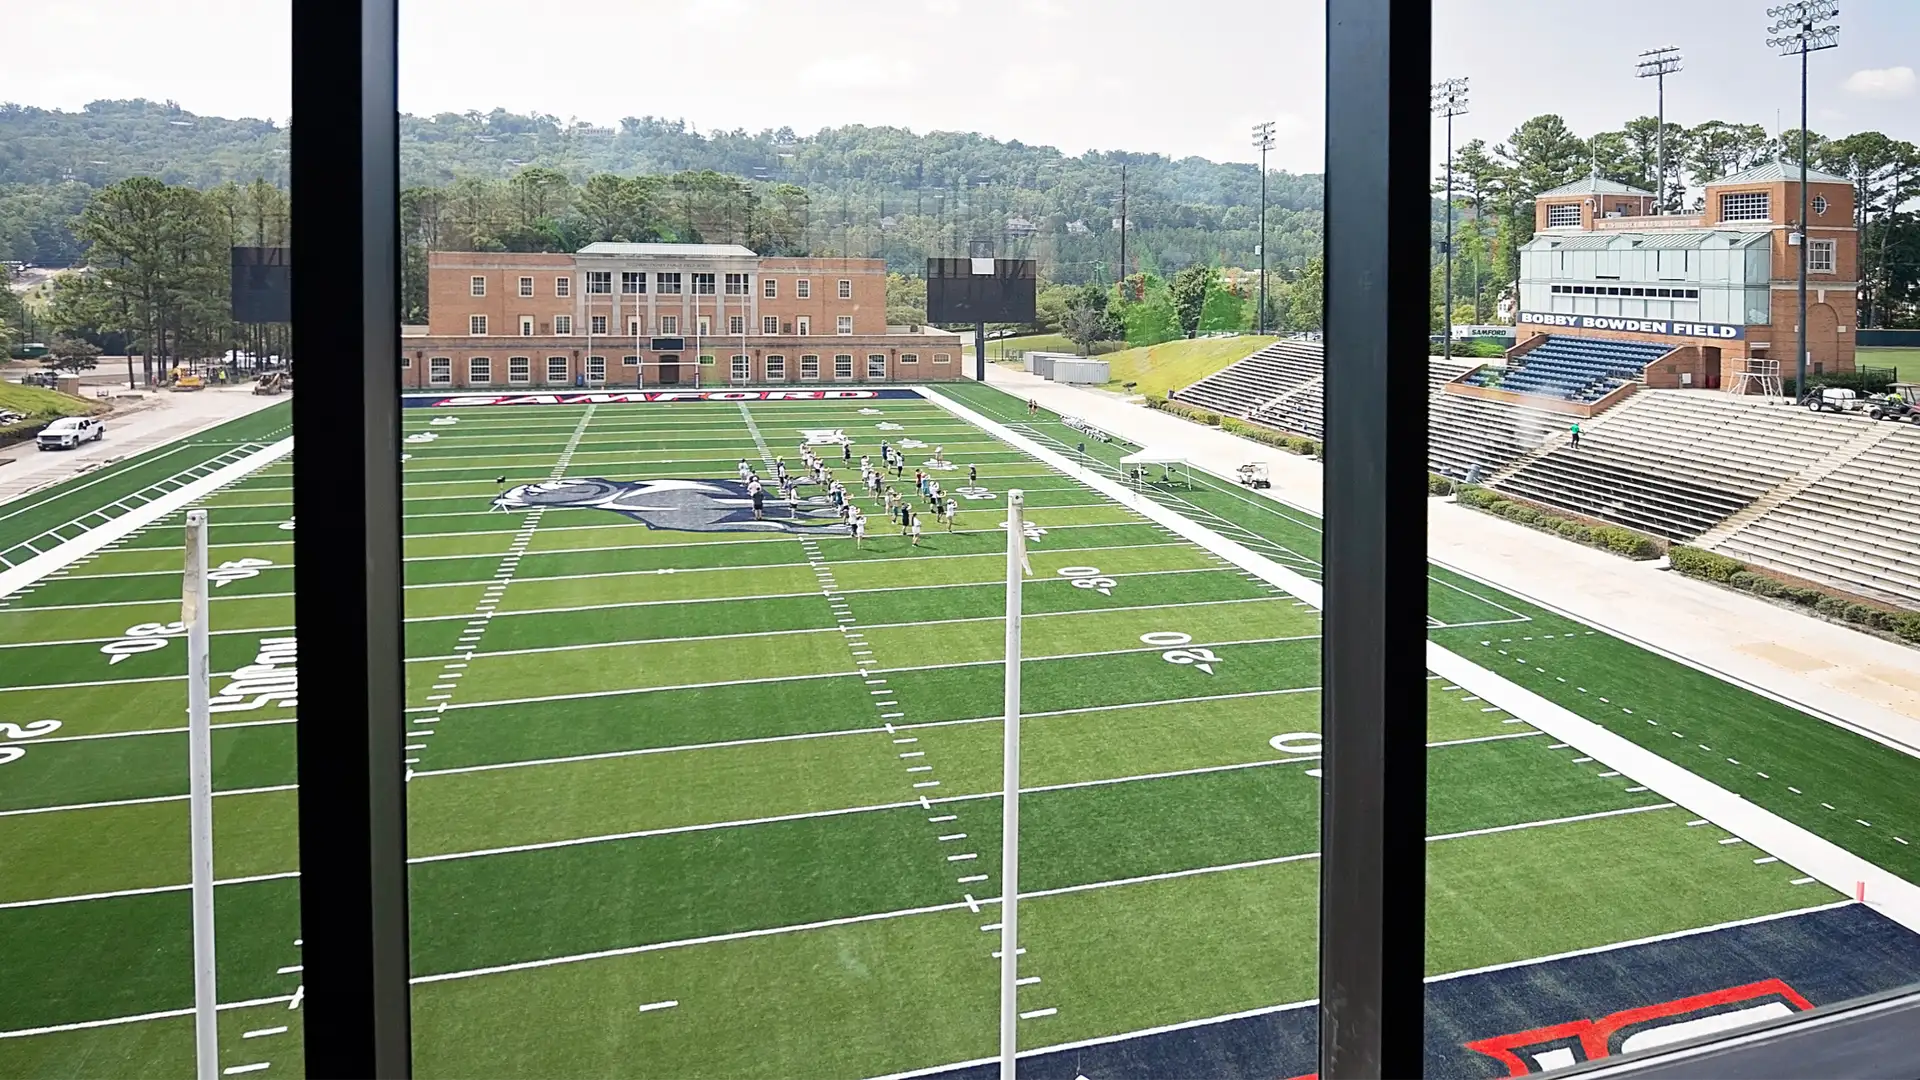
[(843, 367), (669, 326), (810, 367), (633, 283), (563, 326), (1744, 205), (479, 371), (871, 373), (769, 288), (1554, 210), (666, 283), (909, 358), (736, 325), (597, 325), (526, 287), (737, 284), (477, 285), (776, 365), (843, 326), (1830, 249), (803, 288), (565, 365), (476, 326), (845, 289), (703, 283), (519, 370), (563, 286), (769, 325), (599, 282), (740, 368), (439, 371), (803, 326), (526, 326), (596, 363)]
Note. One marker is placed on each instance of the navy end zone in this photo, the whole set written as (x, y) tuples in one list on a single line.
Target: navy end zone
[(651, 397), (1527, 1019)]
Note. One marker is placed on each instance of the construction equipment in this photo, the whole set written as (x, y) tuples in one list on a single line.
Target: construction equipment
[(271, 383), (183, 380)]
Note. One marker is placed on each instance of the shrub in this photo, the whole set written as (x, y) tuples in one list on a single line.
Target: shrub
[(1695, 562), (1438, 485), (1626, 542), (1907, 626)]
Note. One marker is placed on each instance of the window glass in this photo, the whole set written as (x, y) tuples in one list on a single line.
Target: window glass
[(480, 370), (803, 288), (519, 370)]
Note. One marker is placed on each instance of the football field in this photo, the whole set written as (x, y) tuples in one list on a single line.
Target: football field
[(694, 795)]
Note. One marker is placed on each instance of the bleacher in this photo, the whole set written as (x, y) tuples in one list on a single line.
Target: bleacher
[(1858, 527), (1574, 368), (1463, 432), (1245, 385), (1675, 463)]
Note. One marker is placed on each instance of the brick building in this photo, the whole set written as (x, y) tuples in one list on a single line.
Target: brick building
[(1720, 286), (663, 315)]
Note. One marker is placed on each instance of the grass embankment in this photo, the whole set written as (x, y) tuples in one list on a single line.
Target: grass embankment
[(40, 406), (1905, 361), (1156, 369)]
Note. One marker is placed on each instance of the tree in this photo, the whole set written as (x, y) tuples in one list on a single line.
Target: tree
[(1306, 297), (1084, 326), (71, 354), (1189, 296), (1716, 149)]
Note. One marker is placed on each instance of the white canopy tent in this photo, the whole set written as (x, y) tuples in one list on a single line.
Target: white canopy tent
[(1168, 456)]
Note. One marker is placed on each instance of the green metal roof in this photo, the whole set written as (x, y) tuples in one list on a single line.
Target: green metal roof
[(1594, 185), (1780, 170), (1661, 239)]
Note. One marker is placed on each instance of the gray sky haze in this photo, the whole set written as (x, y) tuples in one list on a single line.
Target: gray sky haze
[(1077, 74)]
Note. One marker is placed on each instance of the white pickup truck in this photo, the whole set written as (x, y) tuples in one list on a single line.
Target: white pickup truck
[(69, 432)]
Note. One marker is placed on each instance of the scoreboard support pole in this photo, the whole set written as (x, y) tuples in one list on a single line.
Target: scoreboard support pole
[(980, 352)]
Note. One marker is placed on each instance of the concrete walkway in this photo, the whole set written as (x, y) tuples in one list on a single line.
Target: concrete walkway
[(1847, 677), (135, 426)]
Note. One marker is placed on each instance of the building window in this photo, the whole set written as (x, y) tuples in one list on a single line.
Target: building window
[(1744, 206), (669, 326), (804, 290), (520, 373), (636, 324), (706, 359), (742, 368), (666, 284), (596, 324), (843, 324), (562, 286), (563, 325), (596, 369), (1820, 256), (557, 371), (526, 286), (526, 326), (703, 284), (736, 324), (406, 363), (703, 325), (810, 367), (803, 326), (914, 358), (630, 361), (440, 371), (944, 358), (599, 282), (1819, 204), (1559, 217), (477, 325), (777, 372), (479, 371), (633, 282), (876, 365), (770, 288), (843, 366), (736, 284), (476, 286), (769, 324), (846, 289)]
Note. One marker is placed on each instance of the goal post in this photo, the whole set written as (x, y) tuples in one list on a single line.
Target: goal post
[(1010, 793), (194, 615)]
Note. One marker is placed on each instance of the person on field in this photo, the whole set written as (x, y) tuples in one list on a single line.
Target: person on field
[(759, 500), (859, 530), (973, 476), (846, 452), (913, 530), (953, 511)]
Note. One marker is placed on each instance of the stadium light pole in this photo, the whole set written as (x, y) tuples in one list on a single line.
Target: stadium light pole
[(1262, 141), (1803, 28), (1449, 100), (1657, 64)]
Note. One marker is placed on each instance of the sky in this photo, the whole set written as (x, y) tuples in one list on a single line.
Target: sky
[(1076, 74)]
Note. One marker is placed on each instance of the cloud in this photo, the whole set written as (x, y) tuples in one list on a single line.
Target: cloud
[(1893, 82), (859, 72)]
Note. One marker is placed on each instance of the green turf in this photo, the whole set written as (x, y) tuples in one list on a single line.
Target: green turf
[(668, 748)]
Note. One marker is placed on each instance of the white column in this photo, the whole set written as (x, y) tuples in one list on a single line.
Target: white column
[(1010, 796), (193, 612)]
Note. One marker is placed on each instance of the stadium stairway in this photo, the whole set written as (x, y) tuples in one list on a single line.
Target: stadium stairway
[(1853, 521)]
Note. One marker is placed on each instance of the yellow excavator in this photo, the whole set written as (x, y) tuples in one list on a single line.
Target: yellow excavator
[(183, 380)]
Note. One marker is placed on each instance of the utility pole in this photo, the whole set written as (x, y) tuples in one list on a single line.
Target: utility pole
[(1657, 64), (1263, 141), (1449, 100), (1123, 232), (1800, 32)]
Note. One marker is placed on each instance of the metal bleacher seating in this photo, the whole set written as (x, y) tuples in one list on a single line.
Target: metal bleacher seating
[(1574, 368), (1858, 526), (1675, 463), (1243, 386)]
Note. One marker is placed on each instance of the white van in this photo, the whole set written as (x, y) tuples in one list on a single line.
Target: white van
[(71, 431)]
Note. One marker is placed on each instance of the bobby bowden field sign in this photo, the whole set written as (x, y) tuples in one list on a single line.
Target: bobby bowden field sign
[(1663, 327)]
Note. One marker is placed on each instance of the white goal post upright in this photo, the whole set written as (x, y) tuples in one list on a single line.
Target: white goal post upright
[(194, 614), (1010, 794)]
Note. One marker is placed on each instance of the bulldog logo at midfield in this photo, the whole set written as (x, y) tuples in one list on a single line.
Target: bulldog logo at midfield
[(682, 505)]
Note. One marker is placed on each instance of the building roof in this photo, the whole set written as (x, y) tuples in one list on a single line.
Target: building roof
[(1667, 239), (1780, 169), (703, 251), (1594, 185)]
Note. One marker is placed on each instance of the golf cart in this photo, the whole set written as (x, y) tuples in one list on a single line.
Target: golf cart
[(1254, 475), (1831, 399), (1900, 402)]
